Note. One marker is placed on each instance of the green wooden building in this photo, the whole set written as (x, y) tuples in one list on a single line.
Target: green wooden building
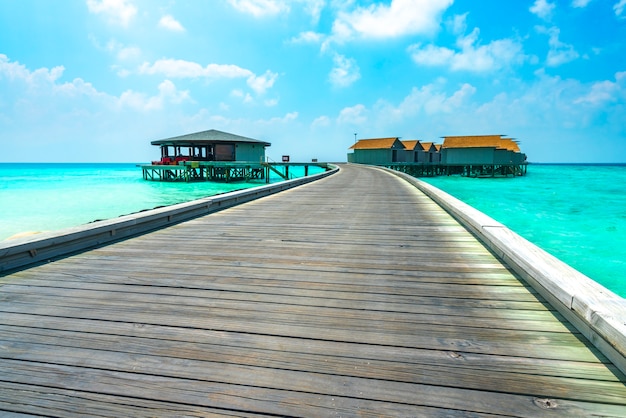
[(482, 155), (377, 151), (211, 145)]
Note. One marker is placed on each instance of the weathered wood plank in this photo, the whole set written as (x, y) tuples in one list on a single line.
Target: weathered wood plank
[(350, 396), (296, 297), (372, 302), (444, 369), (349, 310)]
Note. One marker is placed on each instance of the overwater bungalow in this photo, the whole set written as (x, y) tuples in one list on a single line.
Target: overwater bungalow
[(431, 152), (211, 145), (210, 156), (377, 151), (482, 156), (216, 156), (413, 151), (407, 156), (473, 155)]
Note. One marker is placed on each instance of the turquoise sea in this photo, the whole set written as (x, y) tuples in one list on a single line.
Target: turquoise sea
[(48, 197), (575, 212)]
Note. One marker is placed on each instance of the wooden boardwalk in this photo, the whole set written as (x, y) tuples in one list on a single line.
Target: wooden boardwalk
[(351, 296)]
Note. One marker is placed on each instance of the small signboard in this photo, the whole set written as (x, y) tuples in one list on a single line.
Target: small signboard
[(285, 158)]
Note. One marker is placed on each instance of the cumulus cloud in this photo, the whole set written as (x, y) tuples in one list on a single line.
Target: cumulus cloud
[(354, 115), (168, 22), (345, 72), (580, 3), (430, 99), (314, 8), (470, 55), (619, 8), (188, 69), (279, 120), (606, 91), (116, 11), (401, 17), (15, 71), (457, 24), (261, 83), (543, 9), (174, 68), (321, 122), (260, 8), (144, 103), (559, 52), (308, 37), (78, 93)]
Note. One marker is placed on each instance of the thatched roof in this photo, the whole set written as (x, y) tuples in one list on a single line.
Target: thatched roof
[(472, 141), (211, 136), (510, 145), (412, 144), (481, 141), (428, 146), (378, 143)]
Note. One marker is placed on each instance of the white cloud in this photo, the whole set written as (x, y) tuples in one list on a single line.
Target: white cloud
[(41, 93), (559, 52), (471, 56), (117, 11), (168, 22), (619, 8), (128, 53), (261, 83), (354, 115), (457, 24), (188, 69), (260, 8), (606, 91), (141, 102), (314, 8), (345, 72), (580, 3), (308, 37), (401, 17), (430, 99), (291, 116), (321, 122), (543, 9), (16, 71)]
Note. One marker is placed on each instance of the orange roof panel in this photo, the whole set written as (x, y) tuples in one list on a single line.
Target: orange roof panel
[(375, 143), (411, 144)]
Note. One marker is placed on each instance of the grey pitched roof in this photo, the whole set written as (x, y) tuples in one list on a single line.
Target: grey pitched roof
[(207, 137)]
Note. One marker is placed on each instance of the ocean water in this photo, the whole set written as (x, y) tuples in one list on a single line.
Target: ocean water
[(575, 212), (49, 197)]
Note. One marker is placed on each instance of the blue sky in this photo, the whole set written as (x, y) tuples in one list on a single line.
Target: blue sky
[(97, 80)]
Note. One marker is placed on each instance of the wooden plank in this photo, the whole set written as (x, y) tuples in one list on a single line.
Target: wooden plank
[(297, 297), (349, 396), (326, 293), (297, 304), (178, 341), (49, 401), (444, 369), (467, 339)]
